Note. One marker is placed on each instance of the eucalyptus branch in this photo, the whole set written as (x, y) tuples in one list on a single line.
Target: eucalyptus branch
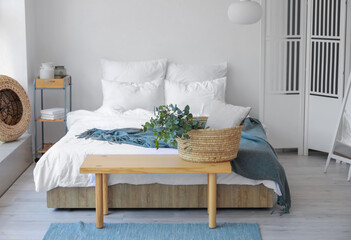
[(170, 122)]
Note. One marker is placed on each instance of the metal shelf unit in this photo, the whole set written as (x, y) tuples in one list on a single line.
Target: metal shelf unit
[(50, 84)]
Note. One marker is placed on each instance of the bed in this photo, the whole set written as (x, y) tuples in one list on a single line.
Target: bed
[(57, 172), (131, 90)]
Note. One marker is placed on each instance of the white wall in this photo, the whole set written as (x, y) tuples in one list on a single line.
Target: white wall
[(18, 52), (32, 55), (15, 156), (13, 60), (77, 33)]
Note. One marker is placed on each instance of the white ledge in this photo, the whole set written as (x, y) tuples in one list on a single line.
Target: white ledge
[(15, 157)]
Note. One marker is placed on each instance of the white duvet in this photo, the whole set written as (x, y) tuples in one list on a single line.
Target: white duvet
[(59, 166)]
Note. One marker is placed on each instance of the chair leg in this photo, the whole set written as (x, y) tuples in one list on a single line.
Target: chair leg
[(349, 176)]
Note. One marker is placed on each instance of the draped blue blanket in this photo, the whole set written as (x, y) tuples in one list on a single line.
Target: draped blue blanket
[(256, 157)]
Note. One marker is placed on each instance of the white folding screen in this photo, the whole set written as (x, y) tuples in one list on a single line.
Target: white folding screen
[(325, 47), (283, 72), (293, 46), (303, 66), (325, 71), (284, 46), (324, 68)]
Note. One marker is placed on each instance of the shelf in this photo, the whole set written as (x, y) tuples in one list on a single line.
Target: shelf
[(63, 83), (46, 120), (53, 83), (46, 147)]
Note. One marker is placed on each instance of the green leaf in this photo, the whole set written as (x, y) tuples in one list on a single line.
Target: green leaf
[(170, 122), (186, 136), (186, 109)]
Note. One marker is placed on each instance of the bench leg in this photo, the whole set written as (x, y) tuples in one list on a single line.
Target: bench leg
[(208, 193), (212, 206), (99, 201), (105, 192)]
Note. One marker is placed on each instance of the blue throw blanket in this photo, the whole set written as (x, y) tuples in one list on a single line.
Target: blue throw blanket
[(256, 157), (257, 160)]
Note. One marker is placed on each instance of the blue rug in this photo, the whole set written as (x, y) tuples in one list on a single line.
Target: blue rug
[(154, 231)]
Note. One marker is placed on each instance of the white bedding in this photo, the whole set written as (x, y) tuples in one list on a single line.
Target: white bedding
[(59, 166)]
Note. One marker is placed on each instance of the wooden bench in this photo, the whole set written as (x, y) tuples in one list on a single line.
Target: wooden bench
[(101, 165)]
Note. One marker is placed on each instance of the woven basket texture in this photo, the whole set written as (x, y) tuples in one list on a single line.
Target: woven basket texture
[(15, 110), (210, 145)]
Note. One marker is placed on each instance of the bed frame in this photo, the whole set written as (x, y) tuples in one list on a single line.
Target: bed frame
[(163, 196)]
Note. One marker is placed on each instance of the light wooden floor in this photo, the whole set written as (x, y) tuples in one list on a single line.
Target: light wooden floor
[(321, 207)]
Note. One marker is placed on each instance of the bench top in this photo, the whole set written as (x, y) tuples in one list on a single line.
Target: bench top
[(148, 164)]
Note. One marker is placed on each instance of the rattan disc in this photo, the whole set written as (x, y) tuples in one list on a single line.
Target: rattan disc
[(15, 110)]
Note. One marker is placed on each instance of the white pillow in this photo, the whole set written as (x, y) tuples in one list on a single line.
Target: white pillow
[(122, 96), (195, 73), (223, 115), (135, 72), (195, 94)]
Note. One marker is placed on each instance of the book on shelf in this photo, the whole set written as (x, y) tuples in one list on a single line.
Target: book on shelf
[(53, 113)]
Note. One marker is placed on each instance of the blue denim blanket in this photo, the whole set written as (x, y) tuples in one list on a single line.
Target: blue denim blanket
[(256, 157)]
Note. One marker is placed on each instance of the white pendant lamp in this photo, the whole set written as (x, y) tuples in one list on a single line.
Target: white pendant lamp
[(245, 12)]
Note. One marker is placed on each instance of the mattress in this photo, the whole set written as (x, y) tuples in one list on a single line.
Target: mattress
[(59, 166)]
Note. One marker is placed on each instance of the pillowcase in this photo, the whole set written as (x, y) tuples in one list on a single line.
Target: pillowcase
[(135, 72), (223, 115), (122, 96), (195, 94), (195, 73)]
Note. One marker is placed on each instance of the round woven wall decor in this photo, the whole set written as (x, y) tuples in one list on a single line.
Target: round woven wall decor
[(15, 111)]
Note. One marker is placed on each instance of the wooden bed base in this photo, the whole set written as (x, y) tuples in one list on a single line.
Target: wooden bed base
[(163, 196)]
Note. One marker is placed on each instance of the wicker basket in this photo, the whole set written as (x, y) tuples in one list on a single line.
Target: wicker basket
[(210, 145), (15, 110)]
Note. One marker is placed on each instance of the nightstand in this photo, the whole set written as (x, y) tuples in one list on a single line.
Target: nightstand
[(50, 85)]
